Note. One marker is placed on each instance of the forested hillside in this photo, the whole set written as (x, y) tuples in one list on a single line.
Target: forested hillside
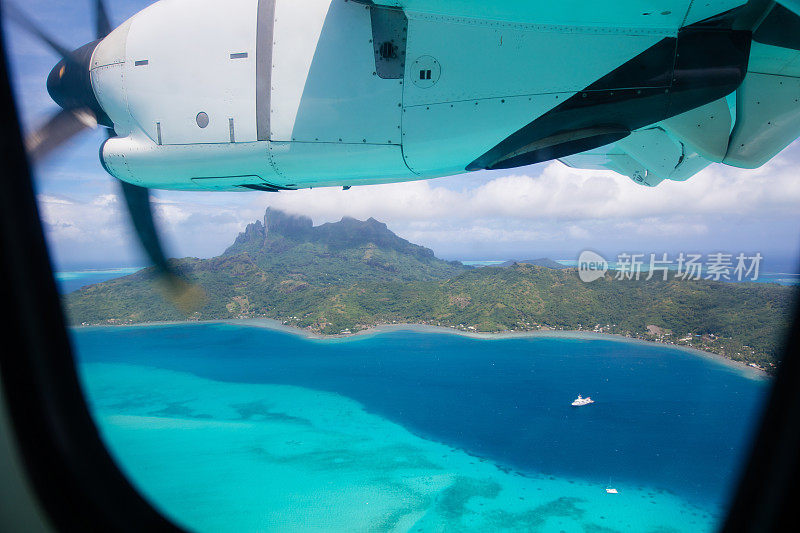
[(350, 275)]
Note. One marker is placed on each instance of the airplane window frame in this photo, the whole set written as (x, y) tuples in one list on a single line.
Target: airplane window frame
[(76, 480)]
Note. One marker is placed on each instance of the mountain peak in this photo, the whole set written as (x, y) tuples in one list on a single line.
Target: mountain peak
[(285, 223), (280, 230)]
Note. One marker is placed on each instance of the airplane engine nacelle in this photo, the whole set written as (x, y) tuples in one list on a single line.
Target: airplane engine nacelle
[(277, 93)]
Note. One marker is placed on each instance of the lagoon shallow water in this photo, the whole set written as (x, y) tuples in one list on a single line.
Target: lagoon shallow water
[(230, 427)]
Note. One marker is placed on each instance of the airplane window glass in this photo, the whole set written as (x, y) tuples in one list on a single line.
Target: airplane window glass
[(282, 321)]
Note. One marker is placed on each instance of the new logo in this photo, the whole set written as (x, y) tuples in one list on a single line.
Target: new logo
[(591, 266)]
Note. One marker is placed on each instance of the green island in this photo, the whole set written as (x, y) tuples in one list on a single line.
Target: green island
[(340, 278)]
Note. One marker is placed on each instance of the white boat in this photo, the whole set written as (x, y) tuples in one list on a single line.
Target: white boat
[(581, 401)]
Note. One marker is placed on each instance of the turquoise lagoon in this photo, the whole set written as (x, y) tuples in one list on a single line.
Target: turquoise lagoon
[(230, 427)]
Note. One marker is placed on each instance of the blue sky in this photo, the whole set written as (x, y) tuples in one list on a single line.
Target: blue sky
[(541, 210)]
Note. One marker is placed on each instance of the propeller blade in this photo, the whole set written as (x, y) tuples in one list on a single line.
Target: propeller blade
[(184, 295), (22, 20), (138, 201), (59, 128), (102, 22)]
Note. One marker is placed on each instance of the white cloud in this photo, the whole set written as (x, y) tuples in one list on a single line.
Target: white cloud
[(98, 221), (577, 232), (561, 193), (98, 229)]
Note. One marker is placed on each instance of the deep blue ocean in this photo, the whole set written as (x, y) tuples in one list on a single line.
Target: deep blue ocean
[(663, 418)]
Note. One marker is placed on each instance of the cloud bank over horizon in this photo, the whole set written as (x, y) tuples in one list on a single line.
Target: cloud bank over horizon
[(557, 211)]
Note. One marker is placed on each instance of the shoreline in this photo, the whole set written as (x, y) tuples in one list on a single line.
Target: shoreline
[(275, 325)]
